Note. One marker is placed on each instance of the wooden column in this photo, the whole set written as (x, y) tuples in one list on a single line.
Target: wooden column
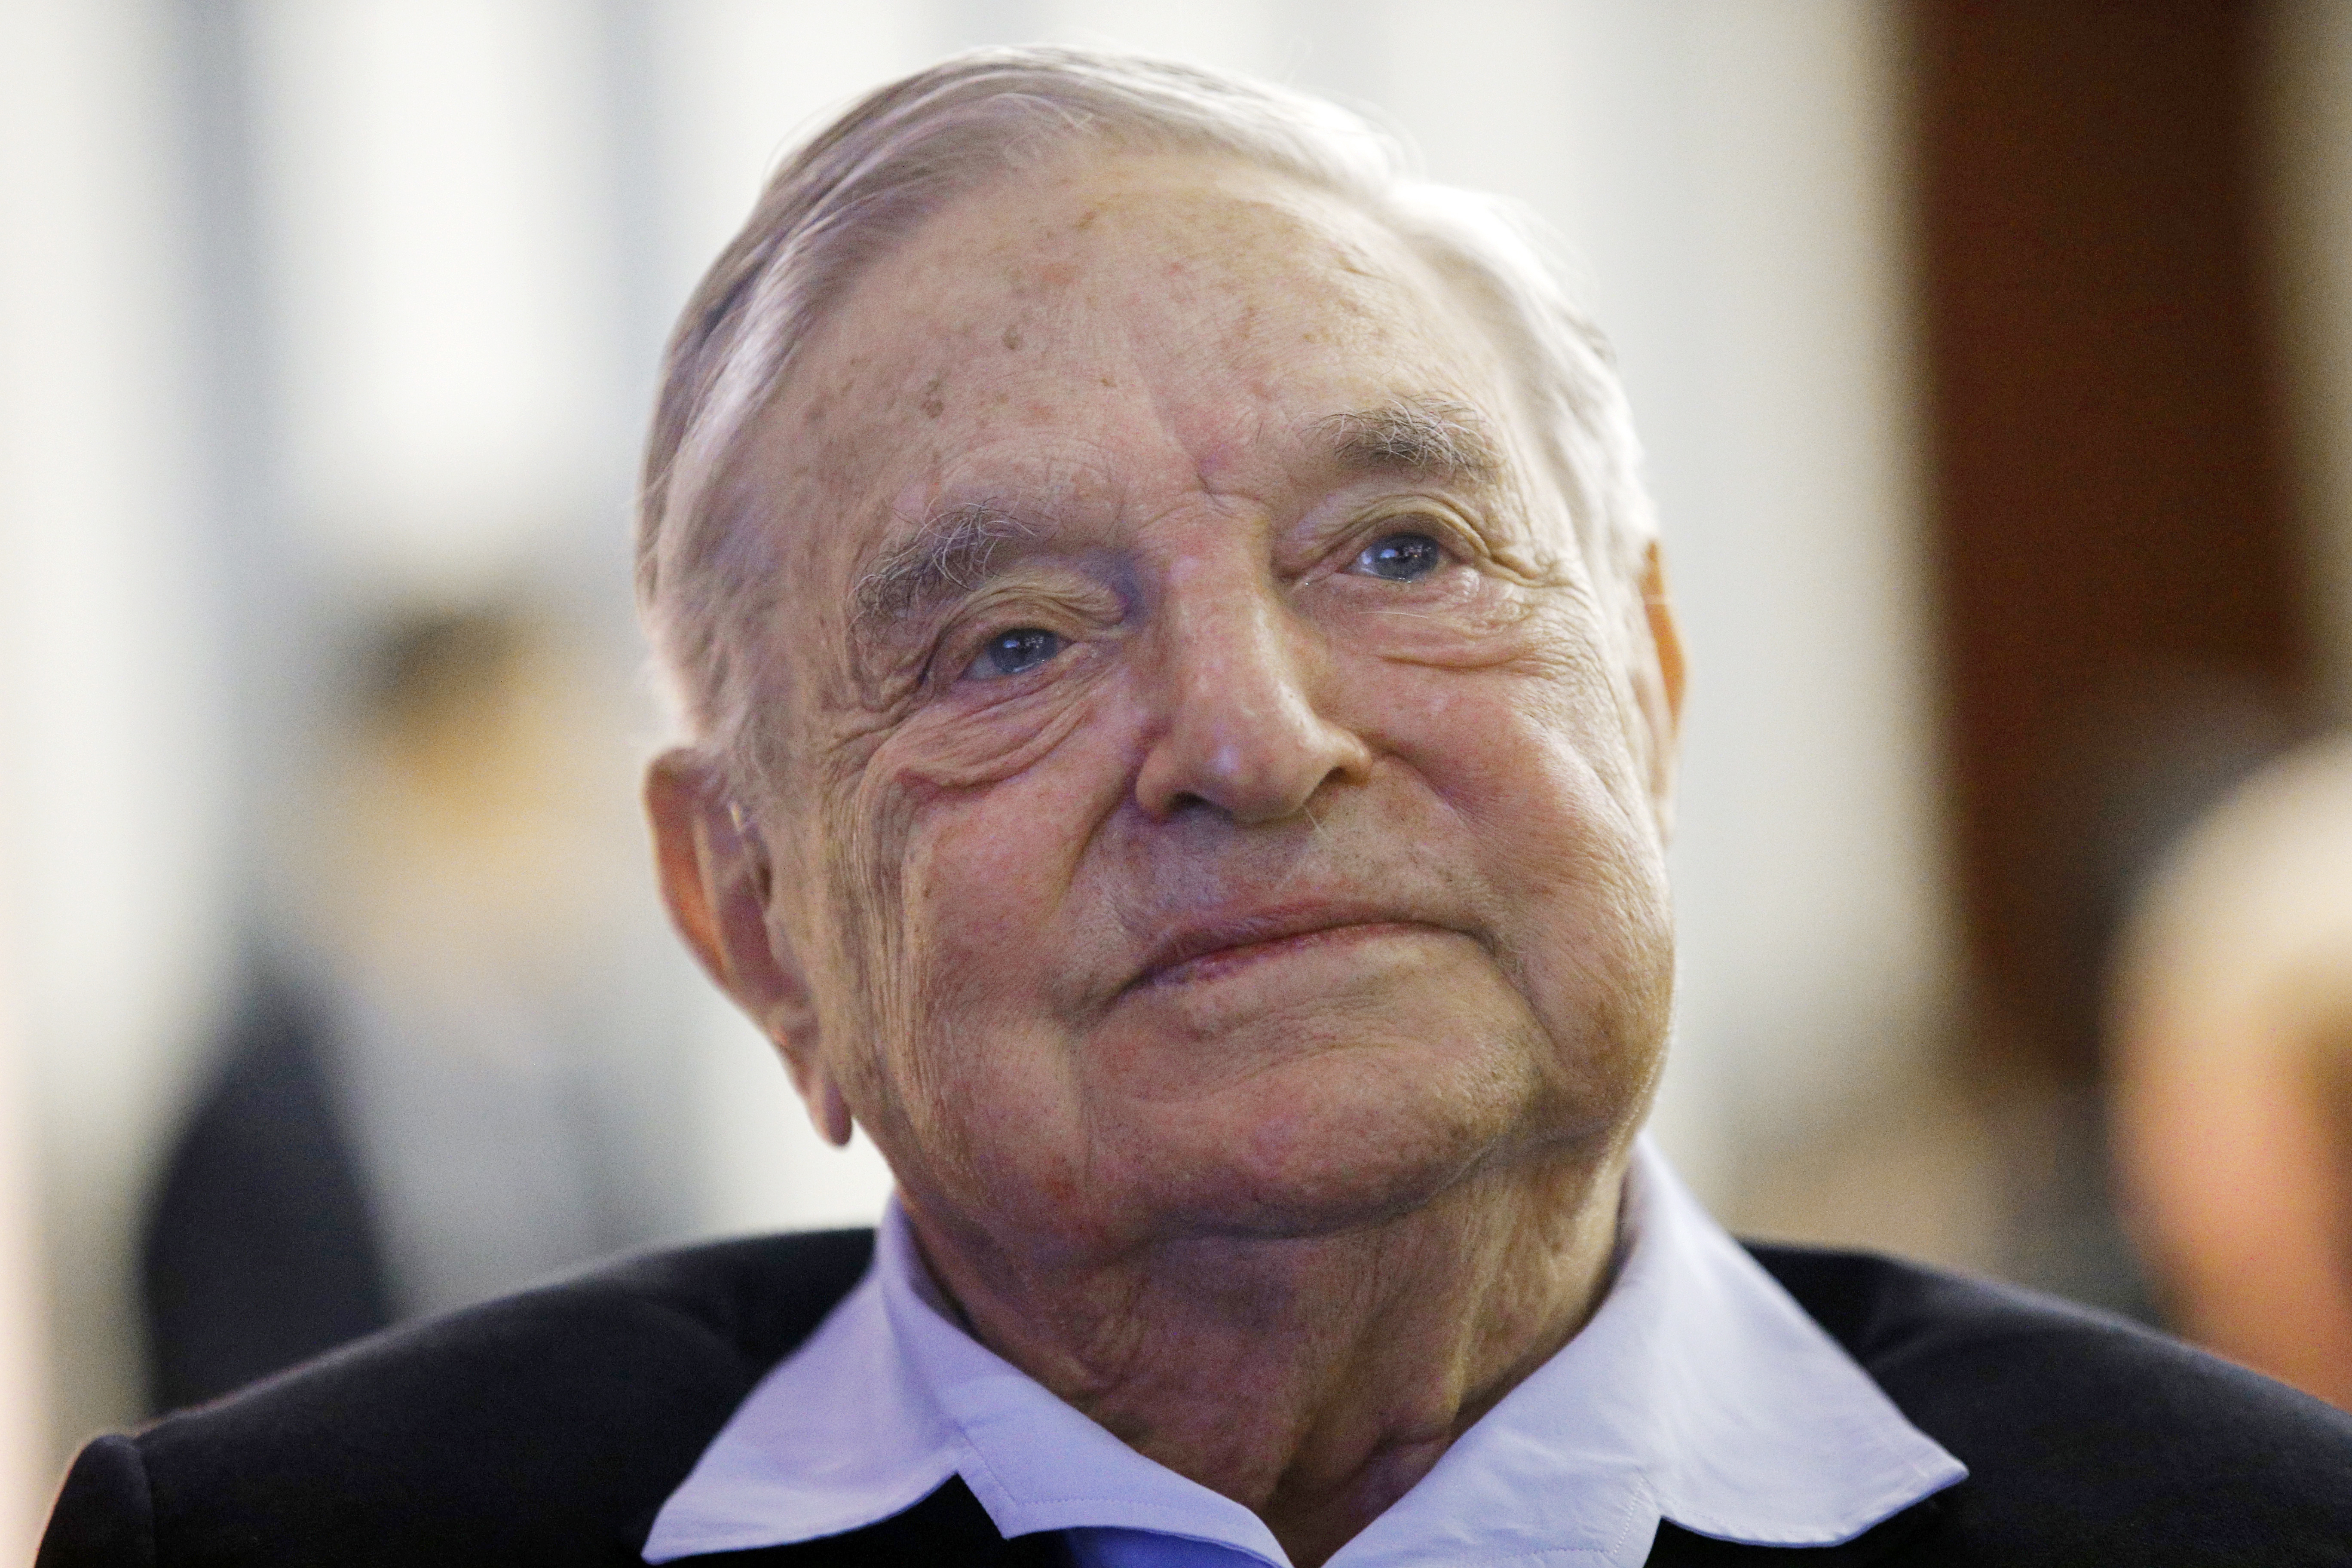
[(2112, 530)]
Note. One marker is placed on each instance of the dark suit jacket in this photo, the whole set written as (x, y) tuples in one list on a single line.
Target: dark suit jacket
[(549, 1427)]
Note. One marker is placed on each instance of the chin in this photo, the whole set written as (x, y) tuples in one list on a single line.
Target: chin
[(1356, 1138)]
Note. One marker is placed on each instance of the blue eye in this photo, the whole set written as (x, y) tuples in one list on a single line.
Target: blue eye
[(1401, 557), (1014, 653)]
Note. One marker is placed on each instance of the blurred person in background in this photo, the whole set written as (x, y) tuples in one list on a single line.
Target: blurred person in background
[(1184, 711), (2232, 1060), (429, 1097), (2149, 750)]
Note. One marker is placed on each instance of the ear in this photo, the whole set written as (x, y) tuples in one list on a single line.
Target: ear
[(718, 881), (1659, 686)]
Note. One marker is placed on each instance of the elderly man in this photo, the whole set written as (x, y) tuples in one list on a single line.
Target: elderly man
[(1184, 708)]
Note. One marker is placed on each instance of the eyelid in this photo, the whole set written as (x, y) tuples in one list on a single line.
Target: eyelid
[(987, 645), (1457, 538), (991, 614)]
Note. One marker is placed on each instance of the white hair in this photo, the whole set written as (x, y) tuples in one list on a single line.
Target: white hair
[(707, 583)]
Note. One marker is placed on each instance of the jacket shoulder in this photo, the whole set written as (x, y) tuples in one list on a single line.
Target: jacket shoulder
[(2086, 1438), (542, 1427)]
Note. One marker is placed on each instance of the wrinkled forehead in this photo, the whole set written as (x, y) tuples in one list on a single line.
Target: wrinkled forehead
[(1105, 329)]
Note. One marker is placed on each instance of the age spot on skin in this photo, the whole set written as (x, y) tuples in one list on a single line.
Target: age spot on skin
[(933, 405), (1012, 337)]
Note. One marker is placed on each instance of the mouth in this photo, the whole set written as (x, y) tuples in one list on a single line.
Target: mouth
[(1196, 952)]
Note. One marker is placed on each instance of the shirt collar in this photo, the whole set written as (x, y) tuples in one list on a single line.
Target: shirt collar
[(1699, 1392)]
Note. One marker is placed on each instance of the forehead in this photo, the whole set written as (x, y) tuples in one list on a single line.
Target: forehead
[(1112, 325)]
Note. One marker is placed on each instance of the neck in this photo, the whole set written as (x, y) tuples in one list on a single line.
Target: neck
[(1313, 1380)]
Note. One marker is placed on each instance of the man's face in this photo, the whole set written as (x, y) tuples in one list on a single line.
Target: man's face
[(1211, 802)]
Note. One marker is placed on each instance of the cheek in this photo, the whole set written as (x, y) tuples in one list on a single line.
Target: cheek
[(1528, 730), (991, 835), (982, 888), (966, 905), (1532, 779), (1533, 763)]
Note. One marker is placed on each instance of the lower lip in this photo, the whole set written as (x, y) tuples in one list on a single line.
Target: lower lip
[(1228, 960)]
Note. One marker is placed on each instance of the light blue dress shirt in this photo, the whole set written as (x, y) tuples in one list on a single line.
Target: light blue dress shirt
[(1699, 1392)]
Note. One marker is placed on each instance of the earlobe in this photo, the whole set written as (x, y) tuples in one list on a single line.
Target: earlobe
[(828, 1108)]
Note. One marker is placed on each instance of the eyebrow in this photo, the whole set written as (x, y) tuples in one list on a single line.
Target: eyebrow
[(1417, 435), (950, 551)]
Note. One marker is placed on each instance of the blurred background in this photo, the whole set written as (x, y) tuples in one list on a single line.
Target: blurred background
[(1995, 364)]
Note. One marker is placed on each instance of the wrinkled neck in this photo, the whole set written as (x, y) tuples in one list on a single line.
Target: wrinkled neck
[(1314, 1380)]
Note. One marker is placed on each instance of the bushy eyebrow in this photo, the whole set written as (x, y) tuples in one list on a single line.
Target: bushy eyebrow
[(949, 551), (1416, 435)]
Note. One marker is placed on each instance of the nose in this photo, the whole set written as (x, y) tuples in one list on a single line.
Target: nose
[(1239, 728)]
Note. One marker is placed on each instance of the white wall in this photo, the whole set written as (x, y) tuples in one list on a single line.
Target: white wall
[(112, 864), (443, 277)]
